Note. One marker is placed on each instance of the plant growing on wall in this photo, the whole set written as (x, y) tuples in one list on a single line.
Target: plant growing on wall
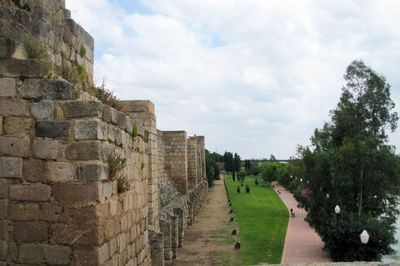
[(82, 51), (35, 50), (134, 130), (116, 166)]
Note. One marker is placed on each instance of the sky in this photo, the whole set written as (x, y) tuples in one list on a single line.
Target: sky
[(254, 77)]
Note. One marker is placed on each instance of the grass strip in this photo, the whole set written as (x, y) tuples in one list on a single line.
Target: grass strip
[(263, 219)]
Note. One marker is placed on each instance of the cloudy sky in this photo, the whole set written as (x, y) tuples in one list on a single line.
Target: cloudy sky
[(254, 77)]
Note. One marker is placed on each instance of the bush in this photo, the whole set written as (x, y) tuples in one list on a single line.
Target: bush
[(247, 189), (238, 189), (343, 239)]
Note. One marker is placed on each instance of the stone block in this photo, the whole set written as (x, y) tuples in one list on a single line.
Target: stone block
[(42, 109), (33, 170), (23, 211), (3, 208), (3, 250), (3, 188), (90, 129), (52, 129), (118, 137), (103, 253), (122, 120), (87, 257), (14, 146), (107, 190), (1, 125), (86, 235), (10, 167), (114, 207), (3, 229), (29, 192), (113, 246), (31, 231), (31, 254), (45, 148), (47, 89), (109, 229), (91, 173), (56, 255), (13, 108), (69, 192), (28, 68), (121, 243), (110, 114), (110, 133), (81, 215), (7, 87), (59, 171), (84, 151), (49, 212), (17, 126), (76, 109)]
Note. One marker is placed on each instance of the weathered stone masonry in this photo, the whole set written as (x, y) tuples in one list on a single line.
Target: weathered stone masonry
[(57, 204)]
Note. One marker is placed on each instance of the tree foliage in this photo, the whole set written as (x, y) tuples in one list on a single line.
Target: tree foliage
[(228, 161), (274, 171), (350, 164), (212, 168)]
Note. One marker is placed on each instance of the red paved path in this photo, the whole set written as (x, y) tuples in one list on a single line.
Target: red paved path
[(302, 244)]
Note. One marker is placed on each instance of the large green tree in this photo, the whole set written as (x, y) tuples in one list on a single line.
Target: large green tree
[(351, 165), (228, 161), (236, 164), (212, 168)]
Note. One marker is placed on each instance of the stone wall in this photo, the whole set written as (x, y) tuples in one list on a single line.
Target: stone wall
[(59, 204), (50, 24)]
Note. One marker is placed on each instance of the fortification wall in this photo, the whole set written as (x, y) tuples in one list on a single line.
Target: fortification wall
[(47, 25), (77, 185)]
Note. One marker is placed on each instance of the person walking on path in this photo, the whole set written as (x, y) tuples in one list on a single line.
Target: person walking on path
[(302, 243)]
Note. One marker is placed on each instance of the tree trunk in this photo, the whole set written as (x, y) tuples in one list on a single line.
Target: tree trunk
[(361, 190)]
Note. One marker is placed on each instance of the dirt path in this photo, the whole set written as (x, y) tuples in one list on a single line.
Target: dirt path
[(209, 241), (302, 244)]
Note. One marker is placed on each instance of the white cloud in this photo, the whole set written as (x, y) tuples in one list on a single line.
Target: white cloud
[(255, 77)]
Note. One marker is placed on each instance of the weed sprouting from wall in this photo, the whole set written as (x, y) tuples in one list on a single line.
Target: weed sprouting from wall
[(134, 130), (117, 165), (35, 50), (82, 51), (105, 95)]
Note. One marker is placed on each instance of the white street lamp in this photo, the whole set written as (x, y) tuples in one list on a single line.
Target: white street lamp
[(327, 195), (364, 236), (337, 209)]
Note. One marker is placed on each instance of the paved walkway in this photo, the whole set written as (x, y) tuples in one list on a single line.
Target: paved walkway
[(302, 244)]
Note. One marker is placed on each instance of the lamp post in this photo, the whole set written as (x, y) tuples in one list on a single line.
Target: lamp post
[(364, 237), (337, 211)]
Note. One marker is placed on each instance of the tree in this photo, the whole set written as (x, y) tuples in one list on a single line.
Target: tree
[(268, 171), (350, 164), (236, 164), (228, 161), (241, 176), (212, 168)]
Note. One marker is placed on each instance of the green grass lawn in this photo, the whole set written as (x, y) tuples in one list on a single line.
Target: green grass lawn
[(263, 220)]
